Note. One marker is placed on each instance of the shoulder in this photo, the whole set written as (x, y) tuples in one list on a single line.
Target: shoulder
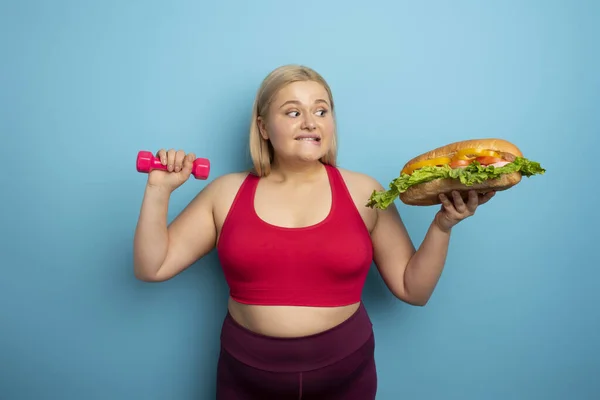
[(359, 182), (225, 185), (229, 180)]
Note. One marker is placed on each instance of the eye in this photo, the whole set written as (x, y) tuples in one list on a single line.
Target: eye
[(293, 113), (322, 113)]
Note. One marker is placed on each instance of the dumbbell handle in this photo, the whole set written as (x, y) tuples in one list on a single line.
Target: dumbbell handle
[(146, 162)]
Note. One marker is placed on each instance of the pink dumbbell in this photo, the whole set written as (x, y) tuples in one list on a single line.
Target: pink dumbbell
[(146, 162)]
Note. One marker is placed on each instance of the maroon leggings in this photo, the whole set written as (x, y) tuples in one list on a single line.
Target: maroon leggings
[(336, 364)]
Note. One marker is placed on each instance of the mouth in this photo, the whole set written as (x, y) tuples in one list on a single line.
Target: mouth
[(309, 138)]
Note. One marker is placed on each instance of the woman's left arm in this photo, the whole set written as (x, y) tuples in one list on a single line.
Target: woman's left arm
[(412, 275)]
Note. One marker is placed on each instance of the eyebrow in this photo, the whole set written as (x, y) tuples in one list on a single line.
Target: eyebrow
[(297, 102)]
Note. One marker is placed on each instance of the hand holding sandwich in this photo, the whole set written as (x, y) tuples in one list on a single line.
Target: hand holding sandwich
[(455, 210)]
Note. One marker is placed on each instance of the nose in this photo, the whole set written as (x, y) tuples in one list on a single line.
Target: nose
[(309, 123)]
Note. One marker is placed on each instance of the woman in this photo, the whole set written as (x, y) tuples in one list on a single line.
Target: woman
[(295, 241)]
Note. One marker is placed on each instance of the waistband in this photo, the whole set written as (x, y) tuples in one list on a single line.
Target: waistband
[(296, 354)]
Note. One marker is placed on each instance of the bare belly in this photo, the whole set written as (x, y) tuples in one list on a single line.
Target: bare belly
[(289, 321)]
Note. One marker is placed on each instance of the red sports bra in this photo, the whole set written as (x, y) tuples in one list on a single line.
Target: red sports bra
[(325, 264)]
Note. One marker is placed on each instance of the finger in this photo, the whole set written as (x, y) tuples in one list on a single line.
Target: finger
[(179, 157), (446, 203), (170, 160), (473, 201), (188, 163), (459, 204), (162, 156), (486, 197)]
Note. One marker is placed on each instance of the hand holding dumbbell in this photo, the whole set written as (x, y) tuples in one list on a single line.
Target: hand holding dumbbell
[(178, 165), (146, 162)]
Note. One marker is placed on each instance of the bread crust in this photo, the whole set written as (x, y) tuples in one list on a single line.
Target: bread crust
[(499, 145), (426, 194)]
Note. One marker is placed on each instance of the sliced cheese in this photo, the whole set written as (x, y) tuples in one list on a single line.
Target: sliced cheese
[(434, 162)]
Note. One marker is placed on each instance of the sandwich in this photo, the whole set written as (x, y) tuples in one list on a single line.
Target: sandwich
[(482, 165)]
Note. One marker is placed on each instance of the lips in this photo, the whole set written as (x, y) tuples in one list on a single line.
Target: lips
[(309, 138)]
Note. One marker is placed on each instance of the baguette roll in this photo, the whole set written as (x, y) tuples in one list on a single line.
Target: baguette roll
[(482, 165)]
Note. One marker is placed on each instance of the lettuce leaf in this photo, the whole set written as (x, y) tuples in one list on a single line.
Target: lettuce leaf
[(470, 175)]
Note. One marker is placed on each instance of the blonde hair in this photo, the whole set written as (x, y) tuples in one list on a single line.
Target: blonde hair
[(261, 150)]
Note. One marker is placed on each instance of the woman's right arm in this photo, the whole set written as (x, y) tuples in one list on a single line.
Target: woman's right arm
[(161, 251)]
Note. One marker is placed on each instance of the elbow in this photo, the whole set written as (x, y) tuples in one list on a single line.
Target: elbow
[(148, 278), (414, 294), (413, 300), (147, 270), (140, 276), (419, 299), (143, 274), (419, 302)]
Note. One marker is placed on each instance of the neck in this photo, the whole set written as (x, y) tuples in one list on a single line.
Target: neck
[(296, 171)]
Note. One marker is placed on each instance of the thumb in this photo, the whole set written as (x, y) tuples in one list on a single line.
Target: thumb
[(188, 163)]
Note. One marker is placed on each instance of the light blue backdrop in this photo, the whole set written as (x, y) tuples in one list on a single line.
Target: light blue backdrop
[(85, 85)]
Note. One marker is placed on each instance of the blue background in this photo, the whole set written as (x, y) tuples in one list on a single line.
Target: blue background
[(85, 85)]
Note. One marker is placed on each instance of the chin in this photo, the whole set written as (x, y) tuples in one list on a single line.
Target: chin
[(316, 156)]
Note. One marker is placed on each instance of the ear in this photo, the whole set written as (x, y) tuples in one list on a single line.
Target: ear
[(262, 128)]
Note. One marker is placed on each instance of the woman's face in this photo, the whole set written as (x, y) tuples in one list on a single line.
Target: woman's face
[(299, 122)]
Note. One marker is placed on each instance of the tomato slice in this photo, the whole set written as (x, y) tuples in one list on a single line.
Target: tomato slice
[(486, 160)]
